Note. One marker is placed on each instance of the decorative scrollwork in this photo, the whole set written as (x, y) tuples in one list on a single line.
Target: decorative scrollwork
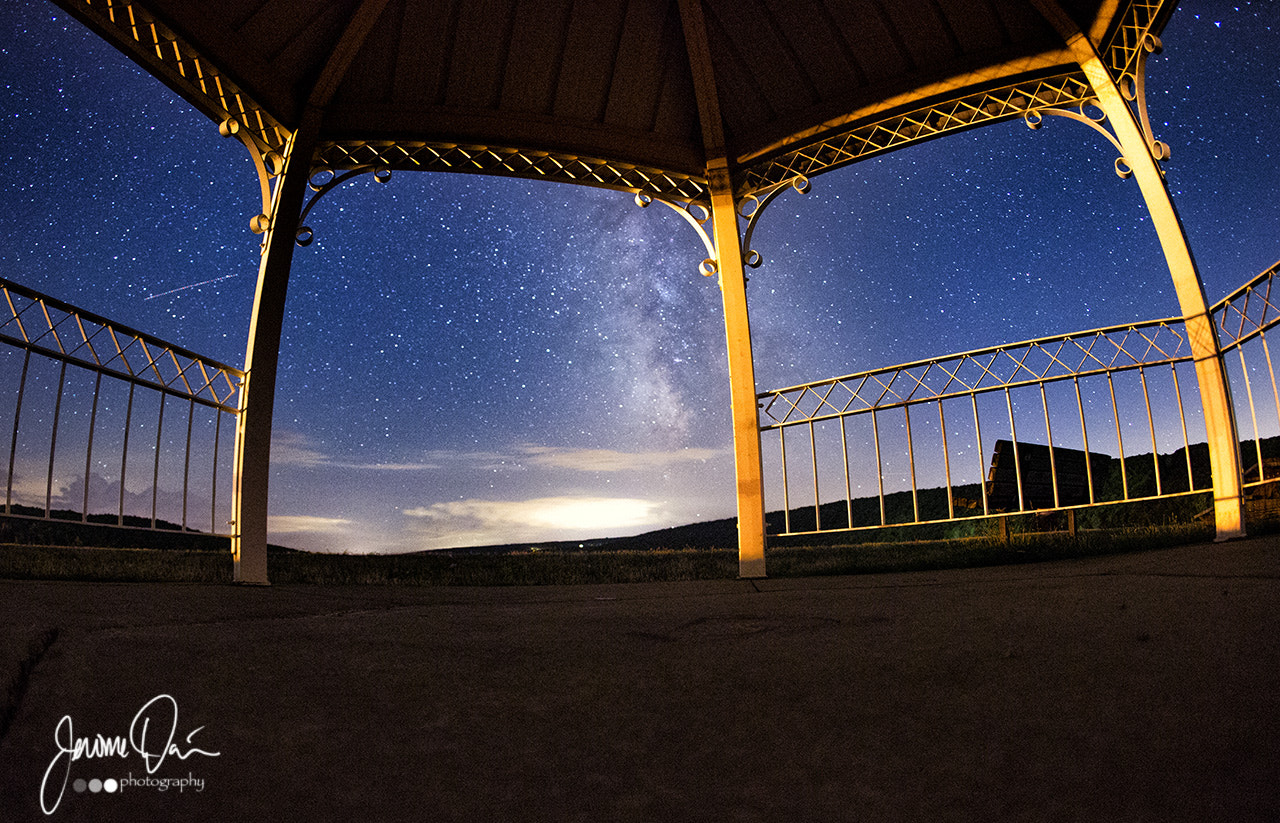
[(1125, 55), (1131, 83), (1133, 88), (324, 180), (1035, 119), (753, 205), (268, 164), (696, 215), (862, 139), (750, 207)]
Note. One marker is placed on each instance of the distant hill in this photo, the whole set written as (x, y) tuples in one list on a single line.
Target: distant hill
[(64, 528)]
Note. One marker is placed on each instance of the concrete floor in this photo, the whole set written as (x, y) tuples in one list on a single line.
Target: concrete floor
[(1130, 688)]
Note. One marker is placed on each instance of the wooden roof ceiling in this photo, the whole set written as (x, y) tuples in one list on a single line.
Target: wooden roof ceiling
[(644, 89)]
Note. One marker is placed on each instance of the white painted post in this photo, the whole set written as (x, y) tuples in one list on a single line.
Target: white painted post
[(257, 396)]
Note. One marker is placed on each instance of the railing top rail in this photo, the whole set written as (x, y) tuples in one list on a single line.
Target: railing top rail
[(1042, 342), (83, 314), (1248, 311), (1050, 359), (51, 327)]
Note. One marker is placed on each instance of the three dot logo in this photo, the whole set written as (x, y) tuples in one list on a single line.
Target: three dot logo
[(110, 785)]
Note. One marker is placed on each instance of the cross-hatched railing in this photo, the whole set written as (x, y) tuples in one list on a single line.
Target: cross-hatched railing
[(110, 425), (1101, 416)]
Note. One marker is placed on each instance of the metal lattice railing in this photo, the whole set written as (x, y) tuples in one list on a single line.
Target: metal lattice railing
[(1248, 311), (1242, 319), (1123, 49), (167, 55), (1000, 367), (83, 387), (925, 123), (976, 434), (510, 162)]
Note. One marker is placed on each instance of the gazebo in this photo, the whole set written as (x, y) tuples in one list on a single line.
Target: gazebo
[(711, 108)]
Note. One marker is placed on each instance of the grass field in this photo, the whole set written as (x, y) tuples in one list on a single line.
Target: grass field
[(561, 567), (56, 549)]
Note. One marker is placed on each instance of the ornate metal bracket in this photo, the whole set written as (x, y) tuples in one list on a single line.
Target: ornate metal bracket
[(324, 180), (696, 215), (1035, 119), (268, 164), (1132, 87), (754, 204), (751, 207)]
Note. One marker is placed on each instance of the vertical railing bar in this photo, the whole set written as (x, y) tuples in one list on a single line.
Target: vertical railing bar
[(88, 452), (848, 485), (53, 440), (1275, 393), (17, 417), (875, 432), (1084, 436), (786, 488), (911, 461), (155, 472), (1115, 414), (186, 463), (217, 458), (813, 465), (1151, 426), (946, 463), (982, 457), (1048, 433), (1017, 458), (1253, 414), (1182, 418), (124, 453)]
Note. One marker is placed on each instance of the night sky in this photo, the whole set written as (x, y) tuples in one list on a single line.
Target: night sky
[(472, 360)]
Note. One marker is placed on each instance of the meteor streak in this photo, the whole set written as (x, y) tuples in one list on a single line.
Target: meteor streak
[(190, 286)]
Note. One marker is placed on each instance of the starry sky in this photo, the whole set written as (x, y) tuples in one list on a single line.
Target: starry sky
[(472, 360)]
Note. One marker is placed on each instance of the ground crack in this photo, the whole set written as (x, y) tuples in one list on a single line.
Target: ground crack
[(17, 687)]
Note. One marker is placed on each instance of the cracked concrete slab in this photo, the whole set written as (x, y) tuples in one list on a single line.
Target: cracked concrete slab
[(1136, 687)]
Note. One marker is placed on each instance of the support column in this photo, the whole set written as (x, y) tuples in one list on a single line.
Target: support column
[(733, 289), (1215, 391), (742, 375), (257, 395)]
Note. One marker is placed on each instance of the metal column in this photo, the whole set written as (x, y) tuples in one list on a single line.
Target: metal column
[(257, 397), (742, 375), (1215, 392)]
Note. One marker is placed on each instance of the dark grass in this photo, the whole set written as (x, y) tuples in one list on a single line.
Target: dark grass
[(517, 568), (117, 565), (556, 567), (963, 544), (933, 555)]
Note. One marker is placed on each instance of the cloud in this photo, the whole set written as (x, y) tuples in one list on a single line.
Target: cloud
[(608, 460), (291, 448), (295, 523), (29, 485), (485, 522), (295, 449), (386, 467)]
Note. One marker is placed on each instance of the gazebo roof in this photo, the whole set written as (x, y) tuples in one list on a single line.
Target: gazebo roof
[(638, 95)]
